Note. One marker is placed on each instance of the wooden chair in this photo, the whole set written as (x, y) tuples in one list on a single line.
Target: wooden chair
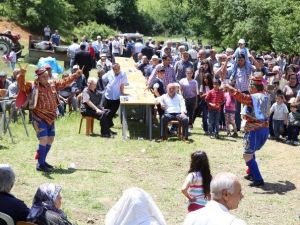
[(89, 125), (25, 223), (179, 129), (6, 219)]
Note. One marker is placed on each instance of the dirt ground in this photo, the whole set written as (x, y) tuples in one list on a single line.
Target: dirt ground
[(15, 29)]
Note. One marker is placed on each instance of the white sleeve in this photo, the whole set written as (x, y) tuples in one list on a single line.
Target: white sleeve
[(286, 109), (156, 85)]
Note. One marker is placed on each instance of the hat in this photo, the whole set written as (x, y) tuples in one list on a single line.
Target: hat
[(154, 57), (3, 74), (256, 79), (98, 37), (103, 55), (40, 71), (160, 69), (241, 41), (47, 67)]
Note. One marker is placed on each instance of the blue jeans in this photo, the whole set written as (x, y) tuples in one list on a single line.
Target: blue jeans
[(293, 132), (277, 126), (204, 109), (213, 121), (174, 116)]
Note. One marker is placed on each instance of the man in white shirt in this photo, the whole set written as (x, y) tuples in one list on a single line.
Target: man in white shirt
[(97, 45), (226, 194), (116, 47), (115, 80), (174, 106), (72, 50)]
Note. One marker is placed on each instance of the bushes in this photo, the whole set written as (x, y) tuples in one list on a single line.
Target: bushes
[(92, 29)]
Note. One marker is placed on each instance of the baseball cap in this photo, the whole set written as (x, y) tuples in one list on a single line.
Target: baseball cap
[(160, 69), (3, 74)]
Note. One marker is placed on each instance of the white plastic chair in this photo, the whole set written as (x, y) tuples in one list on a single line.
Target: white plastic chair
[(6, 218)]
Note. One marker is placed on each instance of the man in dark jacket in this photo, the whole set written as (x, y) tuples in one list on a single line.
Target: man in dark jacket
[(84, 60)]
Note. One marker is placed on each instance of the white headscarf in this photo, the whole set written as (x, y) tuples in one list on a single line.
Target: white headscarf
[(135, 207)]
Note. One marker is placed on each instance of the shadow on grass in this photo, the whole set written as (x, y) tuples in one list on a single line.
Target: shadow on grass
[(70, 171), (2, 147), (281, 187)]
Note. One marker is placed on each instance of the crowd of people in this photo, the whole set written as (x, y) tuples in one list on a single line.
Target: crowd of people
[(232, 91)]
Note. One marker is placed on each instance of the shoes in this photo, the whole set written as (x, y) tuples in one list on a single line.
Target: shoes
[(106, 135), (112, 132), (217, 136), (295, 143), (212, 136), (49, 166), (43, 168), (185, 140), (206, 133), (278, 139), (158, 140), (248, 177), (234, 135), (257, 183), (228, 134)]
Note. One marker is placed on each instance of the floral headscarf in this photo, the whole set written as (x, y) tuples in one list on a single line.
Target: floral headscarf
[(44, 199)]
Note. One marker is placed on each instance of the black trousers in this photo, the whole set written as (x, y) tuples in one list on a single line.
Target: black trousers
[(113, 106), (103, 117)]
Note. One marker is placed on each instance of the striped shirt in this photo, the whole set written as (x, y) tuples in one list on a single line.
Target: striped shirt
[(46, 101), (195, 190), (216, 97), (168, 78)]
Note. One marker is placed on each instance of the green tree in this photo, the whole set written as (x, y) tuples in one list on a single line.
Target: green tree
[(35, 14)]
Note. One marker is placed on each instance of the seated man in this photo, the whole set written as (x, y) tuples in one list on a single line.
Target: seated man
[(226, 194), (104, 63), (91, 105), (68, 95), (9, 204), (175, 109)]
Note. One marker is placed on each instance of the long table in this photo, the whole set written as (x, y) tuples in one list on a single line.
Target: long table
[(136, 95)]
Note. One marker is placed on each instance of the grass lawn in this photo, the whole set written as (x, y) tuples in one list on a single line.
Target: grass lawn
[(106, 167)]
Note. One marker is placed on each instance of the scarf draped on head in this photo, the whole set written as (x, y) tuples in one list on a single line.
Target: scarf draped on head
[(44, 199), (135, 207)]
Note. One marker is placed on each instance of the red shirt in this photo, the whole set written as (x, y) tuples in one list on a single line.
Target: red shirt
[(92, 52), (215, 97)]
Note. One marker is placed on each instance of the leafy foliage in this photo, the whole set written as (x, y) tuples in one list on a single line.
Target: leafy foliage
[(92, 29)]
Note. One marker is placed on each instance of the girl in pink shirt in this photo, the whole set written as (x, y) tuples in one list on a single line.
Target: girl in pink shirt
[(229, 111)]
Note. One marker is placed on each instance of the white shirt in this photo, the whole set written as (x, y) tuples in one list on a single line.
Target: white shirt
[(138, 47), (280, 111), (72, 49), (173, 105), (213, 213), (193, 53), (13, 57), (115, 47), (47, 31), (97, 45), (113, 91)]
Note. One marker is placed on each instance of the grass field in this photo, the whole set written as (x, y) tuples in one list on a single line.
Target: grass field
[(106, 167)]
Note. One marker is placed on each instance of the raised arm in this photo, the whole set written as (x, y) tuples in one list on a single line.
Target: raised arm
[(63, 83), (239, 96), (23, 85)]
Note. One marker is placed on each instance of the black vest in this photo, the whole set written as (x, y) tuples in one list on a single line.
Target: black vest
[(161, 89), (95, 98)]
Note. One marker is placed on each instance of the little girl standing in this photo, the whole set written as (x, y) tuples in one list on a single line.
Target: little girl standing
[(229, 111), (196, 185)]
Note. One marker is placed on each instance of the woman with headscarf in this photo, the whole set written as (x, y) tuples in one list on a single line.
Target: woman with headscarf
[(46, 206), (135, 207)]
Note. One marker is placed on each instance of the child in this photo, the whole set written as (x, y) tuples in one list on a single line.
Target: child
[(293, 125), (197, 183), (280, 116), (229, 110), (158, 88), (214, 99), (242, 50)]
